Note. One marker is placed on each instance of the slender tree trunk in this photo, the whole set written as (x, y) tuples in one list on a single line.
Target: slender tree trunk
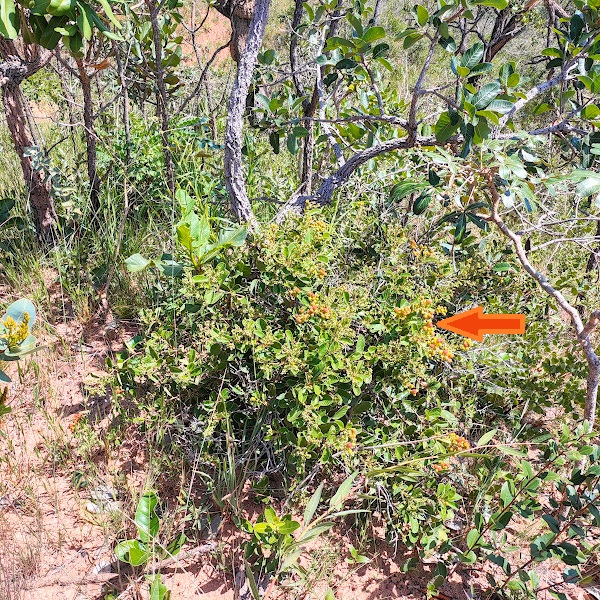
[(90, 136), (40, 199), (161, 95), (234, 170)]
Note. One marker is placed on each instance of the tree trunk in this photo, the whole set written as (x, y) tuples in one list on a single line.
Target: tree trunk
[(40, 199), (233, 166), (90, 137)]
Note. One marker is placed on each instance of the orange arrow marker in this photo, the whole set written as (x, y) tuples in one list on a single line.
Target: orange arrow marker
[(474, 324)]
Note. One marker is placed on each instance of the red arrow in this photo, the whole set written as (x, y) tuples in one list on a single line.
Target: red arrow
[(473, 323)]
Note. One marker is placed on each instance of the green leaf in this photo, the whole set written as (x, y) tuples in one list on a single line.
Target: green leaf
[(499, 4), (287, 526), (137, 263), (109, 13), (589, 186), (158, 591), (505, 494), (472, 56), (500, 106), (85, 20), (411, 39), (446, 126), (27, 346), (486, 94), (312, 505), (373, 34), (9, 19), (290, 559), (422, 15), (233, 237), (405, 188), (146, 518), (4, 378), (132, 552), (315, 532), (339, 42), (486, 437), (552, 523), (473, 538), (17, 311), (176, 545), (343, 492), (292, 143), (50, 37), (329, 595), (252, 582)]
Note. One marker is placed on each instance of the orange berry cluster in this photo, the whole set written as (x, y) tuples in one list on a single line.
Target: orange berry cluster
[(457, 443), (421, 249), (319, 310), (321, 272), (440, 349), (75, 422), (466, 344), (413, 388), (441, 466), (403, 311)]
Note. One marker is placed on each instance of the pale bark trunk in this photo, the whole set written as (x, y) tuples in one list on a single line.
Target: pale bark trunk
[(234, 170)]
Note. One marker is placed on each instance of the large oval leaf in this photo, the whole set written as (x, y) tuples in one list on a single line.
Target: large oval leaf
[(146, 518)]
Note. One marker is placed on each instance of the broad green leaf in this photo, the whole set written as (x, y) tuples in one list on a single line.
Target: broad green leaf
[(329, 595), (339, 42), (373, 34), (132, 552), (422, 15), (473, 538), (146, 518), (9, 19), (411, 39), (136, 263), (50, 37), (27, 346), (233, 237), (589, 186), (17, 311), (500, 106), (4, 378), (472, 56), (85, 20), (287, 527), (486, 94), (505, 494), (446, 126), (482, 68)]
